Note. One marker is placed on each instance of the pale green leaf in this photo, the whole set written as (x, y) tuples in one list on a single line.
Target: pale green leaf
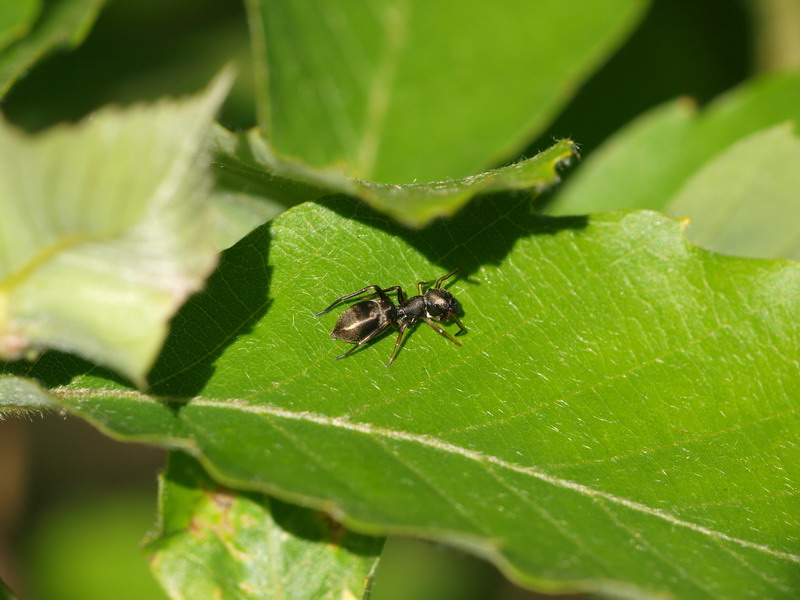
[(400, 91), (237, 213), (248, 190), (620, 418), (63, 23), (16, 18), (19, 395), (646, 164), (251, 160), (104, 231), (747, 199), (218, 544)]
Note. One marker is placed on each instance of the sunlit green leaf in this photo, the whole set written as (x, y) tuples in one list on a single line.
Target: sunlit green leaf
[(220, 544), (63, 23), (620, 418), (104, 231), (400, 91), (747, 200), (646, 164), (16, 18), (250, 159)]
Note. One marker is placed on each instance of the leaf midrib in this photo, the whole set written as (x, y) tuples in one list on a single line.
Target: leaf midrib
[(433, 443), (42, 257)]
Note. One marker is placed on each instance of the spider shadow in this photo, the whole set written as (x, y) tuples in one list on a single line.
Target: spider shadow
[(483, 232)]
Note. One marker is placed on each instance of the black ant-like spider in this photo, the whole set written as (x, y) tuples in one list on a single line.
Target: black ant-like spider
[(365, 320)]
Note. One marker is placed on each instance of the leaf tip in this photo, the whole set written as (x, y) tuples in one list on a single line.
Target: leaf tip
[(219, 87)]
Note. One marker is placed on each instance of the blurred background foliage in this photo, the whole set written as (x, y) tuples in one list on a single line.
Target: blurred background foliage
[(74, 505)]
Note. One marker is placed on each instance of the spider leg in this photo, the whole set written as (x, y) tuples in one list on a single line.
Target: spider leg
[(378, 292), (400, 297), (360, 343), (438, 329), (461, 328), (403, 328), (423, 283), (446, 277)]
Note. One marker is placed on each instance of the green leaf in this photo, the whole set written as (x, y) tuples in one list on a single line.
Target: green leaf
[(220, 544), (16, 18), (747, 199), (403, 91), (105, 231), (18, 396), (413, 204), (63, 23), (237, 213), (646, 164), (247, 190), (620, 418)]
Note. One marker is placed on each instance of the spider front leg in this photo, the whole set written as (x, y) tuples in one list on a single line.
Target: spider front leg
[(446, 277), (403, 328), (461, 328), (438, 282), (438, 329)]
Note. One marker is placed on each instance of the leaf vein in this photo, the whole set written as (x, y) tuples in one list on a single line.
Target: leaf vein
[(477, 456)]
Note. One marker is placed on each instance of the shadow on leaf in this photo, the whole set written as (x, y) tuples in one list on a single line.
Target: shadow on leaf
[(234, 299), (236, 294), (54, 368), (483, 232)]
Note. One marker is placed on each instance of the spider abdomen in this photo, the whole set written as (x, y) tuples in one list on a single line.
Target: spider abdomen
[(362, 319)]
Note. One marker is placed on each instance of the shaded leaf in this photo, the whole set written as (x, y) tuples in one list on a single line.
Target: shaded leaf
[(220, 544), (620, 418), (248, 190), (63, 23), (747, 199), (112, 211), (646, 164), (413, 204), (5, 593), (400, 91)]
